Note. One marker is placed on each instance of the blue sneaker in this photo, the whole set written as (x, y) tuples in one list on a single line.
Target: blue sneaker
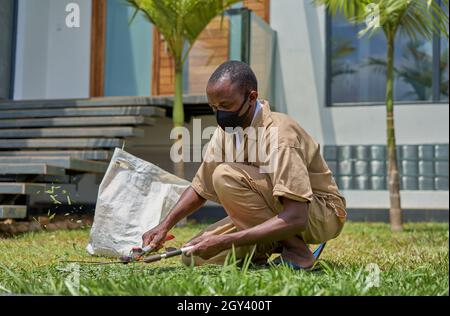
[(319, 250), (316, 253)]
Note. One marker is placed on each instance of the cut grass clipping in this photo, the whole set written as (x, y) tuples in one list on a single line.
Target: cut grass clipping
[(367, 259)]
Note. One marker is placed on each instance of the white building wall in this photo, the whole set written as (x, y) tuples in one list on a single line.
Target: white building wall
[(31, 52), (52, 60), (300, 91), (300, 88)]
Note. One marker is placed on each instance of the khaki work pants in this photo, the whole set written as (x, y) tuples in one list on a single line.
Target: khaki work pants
[(246, 195)]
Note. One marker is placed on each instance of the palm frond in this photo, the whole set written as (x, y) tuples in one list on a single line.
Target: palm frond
[(414, 18), (424, 18), (354, 11)]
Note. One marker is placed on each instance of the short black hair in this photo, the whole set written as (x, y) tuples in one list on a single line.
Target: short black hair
[(240, 74)]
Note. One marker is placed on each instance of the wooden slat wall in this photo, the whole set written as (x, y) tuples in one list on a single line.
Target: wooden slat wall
[(210, 50), (260, 7), (163, 69)]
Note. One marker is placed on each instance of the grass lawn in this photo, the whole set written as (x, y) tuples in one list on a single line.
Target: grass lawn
[(414, 262)]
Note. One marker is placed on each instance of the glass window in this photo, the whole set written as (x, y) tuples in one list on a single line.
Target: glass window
[(357, 66)]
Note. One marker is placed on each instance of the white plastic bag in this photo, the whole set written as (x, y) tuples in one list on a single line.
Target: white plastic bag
[(134, 196)]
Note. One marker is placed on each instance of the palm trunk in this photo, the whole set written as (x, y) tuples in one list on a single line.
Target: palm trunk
[(178, 114), (178, 121), (395, 211)]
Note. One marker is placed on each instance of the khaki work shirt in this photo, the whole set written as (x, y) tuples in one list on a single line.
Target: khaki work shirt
[(299, 169)]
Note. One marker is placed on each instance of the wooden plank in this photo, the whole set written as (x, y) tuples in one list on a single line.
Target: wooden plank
[(30, 168), (208, 52), (166, 63), (201, 72), (13, 211), (21, 188), (72, 132), (207, 58), (260, 8), (61, 143), (217, 22), (267, 11), (78, 121), (212, 60), (63, 162), (167, 71), (212, 43), (166, 89), (80, 154)]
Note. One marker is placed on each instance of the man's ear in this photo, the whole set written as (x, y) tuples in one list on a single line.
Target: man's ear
[(253, 96)]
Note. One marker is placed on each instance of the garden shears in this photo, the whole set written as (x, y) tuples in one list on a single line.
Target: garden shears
[(137, 253), (140, 254)]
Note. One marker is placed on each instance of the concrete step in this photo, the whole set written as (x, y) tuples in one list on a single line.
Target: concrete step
[(80, 165), (91, 111), (78, 121), (30, 168), (80, 154), (160, 101), (72, 132), (21, 188), (13, 211), (43, 178), (61, 143), (93, 102)]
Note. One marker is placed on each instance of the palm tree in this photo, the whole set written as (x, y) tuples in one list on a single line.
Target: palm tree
[(180, 22), (411, 17)]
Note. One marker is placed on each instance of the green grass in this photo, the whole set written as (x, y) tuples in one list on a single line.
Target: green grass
[(414, 262)]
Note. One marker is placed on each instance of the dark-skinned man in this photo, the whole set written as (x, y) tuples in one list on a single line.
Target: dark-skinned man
[(283, 209)]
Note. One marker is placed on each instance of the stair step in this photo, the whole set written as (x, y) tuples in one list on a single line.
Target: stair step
[(91, 111), (81, 154), (68, 163), (61, 143), (93, 102), (13, 211), (44, 179), (78, 121), (72, 132), (21, 188), (30, 168)]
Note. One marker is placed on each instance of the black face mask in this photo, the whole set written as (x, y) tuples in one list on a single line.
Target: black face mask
[(232, 119)]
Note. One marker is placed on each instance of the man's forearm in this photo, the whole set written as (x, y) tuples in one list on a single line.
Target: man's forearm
[(188, 203)]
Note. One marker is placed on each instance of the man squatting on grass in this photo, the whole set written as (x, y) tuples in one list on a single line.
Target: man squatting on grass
[(280, 211)]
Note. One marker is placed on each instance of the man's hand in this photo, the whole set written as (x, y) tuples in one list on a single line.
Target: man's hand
[(206, 246), (155, 237), (189, 202)]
